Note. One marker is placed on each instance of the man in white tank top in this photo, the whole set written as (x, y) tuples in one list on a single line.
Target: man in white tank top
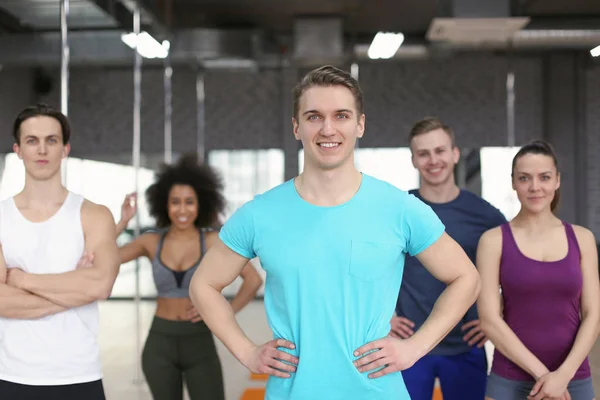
[(48, 310)]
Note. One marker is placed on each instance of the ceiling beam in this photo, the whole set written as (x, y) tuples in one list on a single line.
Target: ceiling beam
[(118, 11), (10, 23), (124, 16)]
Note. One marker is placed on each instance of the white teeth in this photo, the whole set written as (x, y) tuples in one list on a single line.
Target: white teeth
[(435, 170), (329, 145), (182, 219)]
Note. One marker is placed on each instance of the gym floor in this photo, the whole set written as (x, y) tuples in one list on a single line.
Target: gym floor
[(120, 360)]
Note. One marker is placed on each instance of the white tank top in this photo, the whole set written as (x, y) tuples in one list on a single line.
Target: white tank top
[(62, 348)]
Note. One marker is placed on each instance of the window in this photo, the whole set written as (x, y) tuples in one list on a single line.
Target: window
[(246, 173), (496, 181)]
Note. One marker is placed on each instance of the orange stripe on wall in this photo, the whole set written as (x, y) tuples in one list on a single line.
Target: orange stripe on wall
[(258, 377)]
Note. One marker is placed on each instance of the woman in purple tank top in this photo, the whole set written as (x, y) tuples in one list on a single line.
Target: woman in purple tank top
[(544, 319)]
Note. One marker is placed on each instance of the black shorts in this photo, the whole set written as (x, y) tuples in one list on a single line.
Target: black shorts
[(499, 388), (79, 391)]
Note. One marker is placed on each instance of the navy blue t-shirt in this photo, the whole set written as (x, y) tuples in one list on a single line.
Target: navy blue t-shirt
[(466, 218)]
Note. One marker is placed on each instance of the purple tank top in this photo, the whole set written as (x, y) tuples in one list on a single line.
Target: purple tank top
[(541, 305)]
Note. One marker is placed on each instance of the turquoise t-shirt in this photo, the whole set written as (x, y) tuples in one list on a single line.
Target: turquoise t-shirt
[(333, 277)]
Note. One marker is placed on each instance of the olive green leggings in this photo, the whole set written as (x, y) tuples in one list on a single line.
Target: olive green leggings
[(176, 351)]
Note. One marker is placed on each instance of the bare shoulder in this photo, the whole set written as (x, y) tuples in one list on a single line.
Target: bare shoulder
[(97, 220), (150, 241), (584, 236), (95, 212), (150, 237), (491, 238), (98, 224), (212, 237)]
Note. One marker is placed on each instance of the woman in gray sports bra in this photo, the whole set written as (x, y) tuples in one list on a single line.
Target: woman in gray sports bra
[(185, 199)]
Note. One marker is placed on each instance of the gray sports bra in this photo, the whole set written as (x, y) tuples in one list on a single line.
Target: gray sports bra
[(170, 283)]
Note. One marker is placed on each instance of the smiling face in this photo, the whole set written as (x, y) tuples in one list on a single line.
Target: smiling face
[(182, 206), (536, 180), (328, 125), (435, 157), (41, 147)]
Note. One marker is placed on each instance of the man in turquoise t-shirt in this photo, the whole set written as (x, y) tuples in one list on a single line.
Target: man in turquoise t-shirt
[(332, 242)]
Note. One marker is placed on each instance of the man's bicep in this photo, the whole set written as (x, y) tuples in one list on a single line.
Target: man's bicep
[(99, 226), (220, 266), (100, 238), (445, 259), (238, 232), (106, 258)]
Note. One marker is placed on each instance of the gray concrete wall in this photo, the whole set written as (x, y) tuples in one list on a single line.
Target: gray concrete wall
[(557, 98)]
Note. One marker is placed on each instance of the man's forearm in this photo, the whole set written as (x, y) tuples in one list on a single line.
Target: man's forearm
[(246, 293), (471, 314), (70, 289), (20, 304), (218, 315), (449, 308)]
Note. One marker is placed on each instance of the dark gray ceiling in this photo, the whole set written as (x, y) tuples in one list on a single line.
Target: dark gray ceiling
[(203, 29), (360, 17)]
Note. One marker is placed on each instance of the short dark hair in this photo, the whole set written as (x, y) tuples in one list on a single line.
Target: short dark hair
[(202, 178), (46, 111), (427, 125), (543, 148), (328, 75)]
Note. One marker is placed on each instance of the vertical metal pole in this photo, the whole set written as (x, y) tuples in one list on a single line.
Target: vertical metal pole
[(510, 109), (136, 150), (510, 101), (354, 72), (201, 125), (291, 147), (64, 62), (168, 89), (168, 111), (64, 71)]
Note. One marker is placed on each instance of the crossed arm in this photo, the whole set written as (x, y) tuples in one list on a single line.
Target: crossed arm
[(18, 304), (82, 285)]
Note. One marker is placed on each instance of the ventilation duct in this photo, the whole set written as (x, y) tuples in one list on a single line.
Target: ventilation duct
[(106, 48), (475, 23), (318, 40)]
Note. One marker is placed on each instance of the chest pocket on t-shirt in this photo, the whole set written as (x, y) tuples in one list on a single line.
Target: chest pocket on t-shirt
[(371, 261)]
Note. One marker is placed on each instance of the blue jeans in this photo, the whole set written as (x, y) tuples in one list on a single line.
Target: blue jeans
[(462, 377)]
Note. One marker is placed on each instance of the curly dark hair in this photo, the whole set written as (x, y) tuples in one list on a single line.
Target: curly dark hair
[(202, 178)]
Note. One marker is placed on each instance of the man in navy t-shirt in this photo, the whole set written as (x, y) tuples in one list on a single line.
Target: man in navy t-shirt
[(458, 361)]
